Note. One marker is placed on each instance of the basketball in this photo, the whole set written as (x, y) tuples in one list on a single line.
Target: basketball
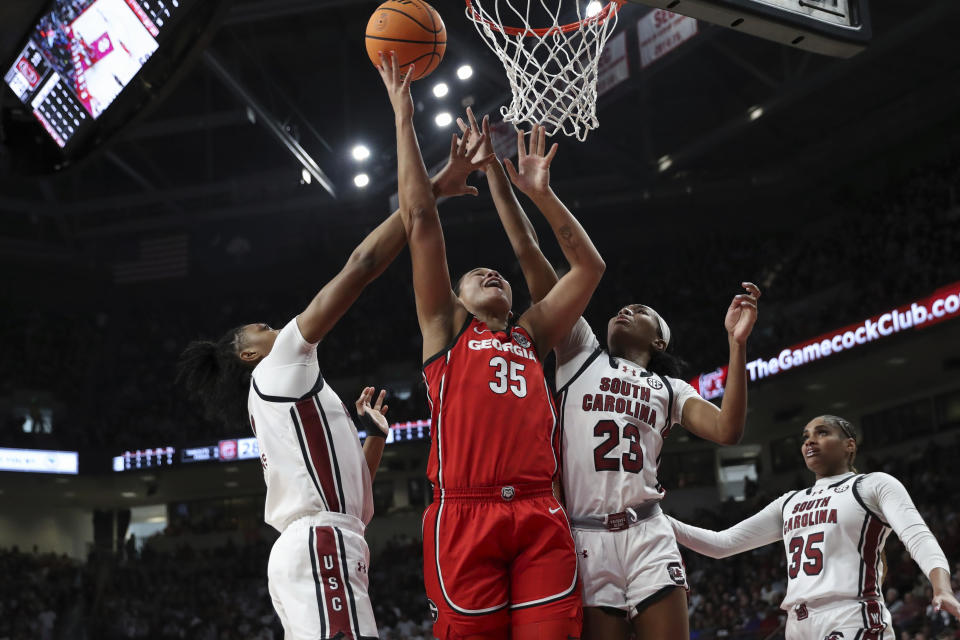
[(413, 29)]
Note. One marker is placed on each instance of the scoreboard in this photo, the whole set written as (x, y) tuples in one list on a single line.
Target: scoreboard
[(82, 54), (839, 28), (236, 449)]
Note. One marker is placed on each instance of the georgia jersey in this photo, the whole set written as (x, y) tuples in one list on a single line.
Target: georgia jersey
[(614, 417), (309, 448), (492, 412)]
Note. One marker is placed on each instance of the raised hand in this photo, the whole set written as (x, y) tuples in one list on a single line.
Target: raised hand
[(375, 416), (742, 313), (532, 173), (465, 158), (485, 151), (397, 84)]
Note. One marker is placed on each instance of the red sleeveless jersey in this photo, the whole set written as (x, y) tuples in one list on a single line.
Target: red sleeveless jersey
[(492, 414)]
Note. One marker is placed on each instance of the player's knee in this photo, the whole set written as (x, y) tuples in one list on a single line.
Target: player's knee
[(563, 629)]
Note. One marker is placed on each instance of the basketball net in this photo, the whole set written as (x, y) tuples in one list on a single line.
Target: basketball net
[(552, 69)]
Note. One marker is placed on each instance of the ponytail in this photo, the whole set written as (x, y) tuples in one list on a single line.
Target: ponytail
[(216, 377), (666, 364)]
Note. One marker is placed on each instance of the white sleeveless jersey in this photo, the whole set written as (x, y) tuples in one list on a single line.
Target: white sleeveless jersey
[(309, 448), (614, 418), (833, 542)]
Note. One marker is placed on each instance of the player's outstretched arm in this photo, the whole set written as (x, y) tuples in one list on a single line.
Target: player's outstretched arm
[(438, 309), (726, 425), (887, 496), (537, 270), (551, 319), (373, 419), (759, 529), (368, 260)]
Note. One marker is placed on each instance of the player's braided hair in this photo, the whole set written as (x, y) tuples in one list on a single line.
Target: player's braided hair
[(847, 428), (214, 375)]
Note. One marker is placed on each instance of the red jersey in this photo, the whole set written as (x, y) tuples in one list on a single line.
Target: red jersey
[(492, 414)]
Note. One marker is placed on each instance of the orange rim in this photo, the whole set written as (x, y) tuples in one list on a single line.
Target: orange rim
[(611, 9)]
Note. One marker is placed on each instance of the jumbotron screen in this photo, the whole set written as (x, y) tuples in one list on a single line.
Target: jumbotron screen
[(81, 55)]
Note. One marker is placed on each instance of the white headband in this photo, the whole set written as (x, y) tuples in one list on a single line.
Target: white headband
[(664, 327)]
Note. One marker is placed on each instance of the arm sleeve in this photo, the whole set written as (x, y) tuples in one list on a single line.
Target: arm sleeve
[(574, 350), (885, 495), (683, 392), (757, 530)]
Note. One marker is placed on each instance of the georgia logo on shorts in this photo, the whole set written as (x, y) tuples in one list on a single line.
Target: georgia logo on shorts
[(434, 612), (520, 339), (507, 493), (675, 571), (834, 635), (654, 383)]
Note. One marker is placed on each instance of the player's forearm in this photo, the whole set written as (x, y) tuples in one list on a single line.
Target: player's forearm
[(381, 246), (515, 221), (415, 190), (940, 581), (537, 270), (733, 408), (576, 245), (373, 453)]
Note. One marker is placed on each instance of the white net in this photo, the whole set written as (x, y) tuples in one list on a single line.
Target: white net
[(552, 67)]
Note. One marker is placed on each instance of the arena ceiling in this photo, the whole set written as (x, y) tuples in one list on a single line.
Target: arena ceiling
[(202, 158)]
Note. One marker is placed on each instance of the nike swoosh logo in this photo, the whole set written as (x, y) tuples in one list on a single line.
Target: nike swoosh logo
[(478, 332), (554, 510)]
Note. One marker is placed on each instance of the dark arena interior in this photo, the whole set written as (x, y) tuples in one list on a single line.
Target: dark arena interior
[(233, 186)]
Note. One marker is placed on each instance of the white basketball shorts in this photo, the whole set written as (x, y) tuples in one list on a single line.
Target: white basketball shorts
[(844, 620), (317, 575), (624, 569)]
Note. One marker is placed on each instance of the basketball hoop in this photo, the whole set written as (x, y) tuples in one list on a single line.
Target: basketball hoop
[(552, 69)]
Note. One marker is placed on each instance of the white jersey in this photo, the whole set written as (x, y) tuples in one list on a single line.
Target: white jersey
[(614, 416), (833, 534), (309, 447)]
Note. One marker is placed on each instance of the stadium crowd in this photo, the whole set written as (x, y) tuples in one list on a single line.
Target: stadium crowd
[(221, 594)]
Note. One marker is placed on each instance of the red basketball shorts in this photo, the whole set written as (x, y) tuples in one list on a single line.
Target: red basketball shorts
[(498, 557)]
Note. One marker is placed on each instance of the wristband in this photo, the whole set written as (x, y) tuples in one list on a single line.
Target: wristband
[(371, 427)]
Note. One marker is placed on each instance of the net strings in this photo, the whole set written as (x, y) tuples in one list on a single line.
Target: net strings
[(553, 77)]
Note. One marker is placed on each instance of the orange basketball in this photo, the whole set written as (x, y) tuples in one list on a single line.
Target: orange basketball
[(413, 29)]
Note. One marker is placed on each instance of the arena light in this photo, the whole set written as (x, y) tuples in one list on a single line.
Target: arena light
[(464, 72), (755, 113), (441, 89), (361, 180), (593, 8), (664, 163), (443, 119), (360, 152), (305, 177), (128, 494)]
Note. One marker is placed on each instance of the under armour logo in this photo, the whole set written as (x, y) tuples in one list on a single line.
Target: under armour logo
[(584, 553), (627, 369), (361, 567)]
